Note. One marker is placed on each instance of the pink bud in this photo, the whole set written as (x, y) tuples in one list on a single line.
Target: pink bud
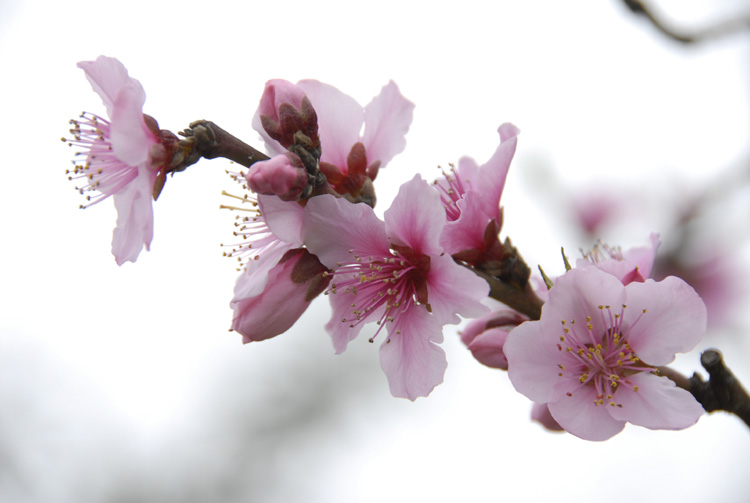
[(285, 110), (485, 336), (283, 175)]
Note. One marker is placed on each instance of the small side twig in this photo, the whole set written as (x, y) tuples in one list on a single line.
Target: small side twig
[(722, 391)]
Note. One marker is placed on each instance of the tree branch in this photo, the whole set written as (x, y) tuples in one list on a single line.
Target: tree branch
[(722, 391)]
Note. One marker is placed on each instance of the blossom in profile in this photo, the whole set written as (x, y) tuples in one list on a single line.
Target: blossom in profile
[(635, 264), (393, 273), (470, 195), (279, 278), (593, 357), (123, 155)]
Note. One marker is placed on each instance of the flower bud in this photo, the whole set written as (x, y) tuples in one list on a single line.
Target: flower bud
[(283, 175), (485, 336), (284, 111)]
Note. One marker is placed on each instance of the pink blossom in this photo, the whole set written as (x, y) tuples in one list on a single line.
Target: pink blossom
[(280, 278), (396, 274), (634, 264), (471, 196), (283, 175), (123, 155), (485, 336), (592, 357), (292, 284)]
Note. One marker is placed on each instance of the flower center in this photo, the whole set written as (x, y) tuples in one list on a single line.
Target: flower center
[(602, 360), (102, 171), (252, 230), (385, 286), (601, 252)]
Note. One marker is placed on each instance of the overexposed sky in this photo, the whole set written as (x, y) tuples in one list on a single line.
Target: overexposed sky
[(122, 383)]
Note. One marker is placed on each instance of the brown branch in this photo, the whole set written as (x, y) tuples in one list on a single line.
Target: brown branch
[(206, 139), (722, 391), (522, 299)]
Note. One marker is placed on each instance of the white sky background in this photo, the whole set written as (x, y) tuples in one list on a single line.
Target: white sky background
[(124, 384)]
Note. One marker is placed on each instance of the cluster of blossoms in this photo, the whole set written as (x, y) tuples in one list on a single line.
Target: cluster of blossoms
[(590, 362)]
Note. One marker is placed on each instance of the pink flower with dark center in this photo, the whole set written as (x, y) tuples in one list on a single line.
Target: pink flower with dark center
[(593, 355), (123, 155), (393, 273), (634, 264), (471, 196)]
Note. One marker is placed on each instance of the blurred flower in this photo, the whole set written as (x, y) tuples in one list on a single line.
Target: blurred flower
[(123, 155), (396, 274), (486, 336), (471, 196), (592, 356)]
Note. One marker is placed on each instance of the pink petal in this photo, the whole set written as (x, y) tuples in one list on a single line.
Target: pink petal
[(135, 217), (466, 232), (333, 227), (540, 413), (493, 173), (275, 310), (487, 348), (341, 326), (387, 120), (658, 404), (578, 293), (413, 364), (416, 217), (674, 321), (581, 417), (284, 218), (131, 138), (533, 360), (253, 280), (454, 289), (643, 258), (107, 76), (340, 120)]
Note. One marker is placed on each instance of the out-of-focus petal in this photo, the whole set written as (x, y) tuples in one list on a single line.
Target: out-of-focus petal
[(135, 218)]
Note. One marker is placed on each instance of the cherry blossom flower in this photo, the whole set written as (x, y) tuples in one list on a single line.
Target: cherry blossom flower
[(393, 273), (123, 155), (471, 196), (634, 264), (593, 355), (280, 278), (349, 160)]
